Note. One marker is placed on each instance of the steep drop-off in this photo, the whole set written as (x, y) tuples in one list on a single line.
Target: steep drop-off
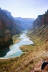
[(40, 26), (8, 28)]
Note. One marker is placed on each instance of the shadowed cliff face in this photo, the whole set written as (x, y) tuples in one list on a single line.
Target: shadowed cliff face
[(5, 42), (7, 30), (4, 48)]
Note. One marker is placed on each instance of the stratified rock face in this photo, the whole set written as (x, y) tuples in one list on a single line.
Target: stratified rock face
[(41, 20), (7, 30), (40, 26)]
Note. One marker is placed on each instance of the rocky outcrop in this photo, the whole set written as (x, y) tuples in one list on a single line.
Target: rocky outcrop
[(40, 26)]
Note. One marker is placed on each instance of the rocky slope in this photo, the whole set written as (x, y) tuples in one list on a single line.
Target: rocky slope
[(40, 26), (39, 34)]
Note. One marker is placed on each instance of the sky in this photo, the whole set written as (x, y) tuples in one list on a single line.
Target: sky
[(25, 8)]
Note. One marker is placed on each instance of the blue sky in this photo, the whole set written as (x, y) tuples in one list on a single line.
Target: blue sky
[(25, 8)]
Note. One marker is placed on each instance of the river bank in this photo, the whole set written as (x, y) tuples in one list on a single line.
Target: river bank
[(15, 50), (33, 55), (26, 62)]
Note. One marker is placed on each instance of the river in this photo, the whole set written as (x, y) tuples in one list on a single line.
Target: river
[(15, 48)]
